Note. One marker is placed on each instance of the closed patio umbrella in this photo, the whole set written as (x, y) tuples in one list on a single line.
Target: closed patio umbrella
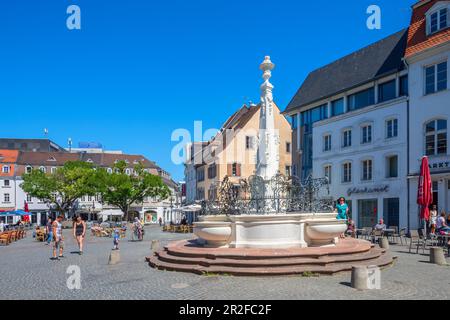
[(425, 191)]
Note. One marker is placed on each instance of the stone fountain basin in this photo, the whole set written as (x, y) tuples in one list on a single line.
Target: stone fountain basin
[(214, 233), (322, 232)]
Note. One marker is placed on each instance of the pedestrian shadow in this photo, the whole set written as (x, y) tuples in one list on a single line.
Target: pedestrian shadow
[(75, 252), (346, 283)]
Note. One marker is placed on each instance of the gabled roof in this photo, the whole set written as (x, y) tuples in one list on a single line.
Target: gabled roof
[(379, 59), (8, 156), (418, 41), (46, 158)]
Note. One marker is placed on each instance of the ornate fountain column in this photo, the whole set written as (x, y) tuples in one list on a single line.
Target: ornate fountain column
[(268, 145)]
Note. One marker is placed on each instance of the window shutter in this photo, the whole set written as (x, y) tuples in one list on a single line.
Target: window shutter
[(230, 170), (238, 169)]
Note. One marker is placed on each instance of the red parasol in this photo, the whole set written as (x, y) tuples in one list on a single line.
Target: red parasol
[(25, 208), (425, 190)]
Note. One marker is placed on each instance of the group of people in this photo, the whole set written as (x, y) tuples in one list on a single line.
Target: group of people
[(55, 235), (439, 223), (343, 211)]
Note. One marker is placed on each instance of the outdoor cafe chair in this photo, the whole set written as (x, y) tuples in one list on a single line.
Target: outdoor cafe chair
[(376, 235), (416, 239)]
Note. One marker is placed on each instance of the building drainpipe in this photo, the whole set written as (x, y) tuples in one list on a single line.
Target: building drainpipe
[(407, 150)]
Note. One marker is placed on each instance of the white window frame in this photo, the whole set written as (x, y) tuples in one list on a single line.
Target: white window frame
[(393, 126), (365, 126), (28, 169), (6, 183), (6, 195), (344, 132), (434, 65), (437, 10), (343, 180), (369, 173), (53, 170), (328, 172), (327, 143), (5, 169), (43, 169), (435, 133)]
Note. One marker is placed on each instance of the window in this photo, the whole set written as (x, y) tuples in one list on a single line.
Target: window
[(391, 128), (127, 172), (367, 170), (43, 169), (90, 198), (436, 137), (436, 78), (29, 199), (366, 134), (249, 142), (327, 143), (288, 147), (347, 138), (403, 84), (288, 171), (294, 121), (212, 171), (347, 172), (6, 183), (5, 169), (327, 172), (392, 167), (387, 91), (361, 99), (28, 169), (438, 20), (201, 175), (6, 198), (337, 107), (109, 170), (53, 170), (236, 170)]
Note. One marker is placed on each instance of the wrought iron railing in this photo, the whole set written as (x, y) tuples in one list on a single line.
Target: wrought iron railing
[(278, 195)]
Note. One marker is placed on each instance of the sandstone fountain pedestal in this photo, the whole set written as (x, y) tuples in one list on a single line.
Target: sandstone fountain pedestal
[(282, 231)]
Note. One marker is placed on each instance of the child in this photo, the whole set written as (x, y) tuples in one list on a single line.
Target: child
[(116, 238)]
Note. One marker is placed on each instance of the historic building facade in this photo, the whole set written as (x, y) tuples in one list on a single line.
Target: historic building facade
[(367, 130)]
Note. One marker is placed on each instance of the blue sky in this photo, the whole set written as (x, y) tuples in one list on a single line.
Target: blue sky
[(138, 69)]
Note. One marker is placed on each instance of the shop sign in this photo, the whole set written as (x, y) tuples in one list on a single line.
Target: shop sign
[(367, 190)]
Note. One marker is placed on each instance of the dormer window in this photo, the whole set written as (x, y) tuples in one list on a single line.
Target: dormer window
[(51, 159), (438, 18), (89, 161)]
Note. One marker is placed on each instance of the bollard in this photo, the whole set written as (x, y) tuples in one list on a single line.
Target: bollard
[(155, 245), (359, 278), (114, 257), (437, 256), (384, 243)]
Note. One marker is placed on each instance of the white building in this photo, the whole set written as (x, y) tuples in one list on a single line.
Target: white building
[(367, 120), (427, 56)]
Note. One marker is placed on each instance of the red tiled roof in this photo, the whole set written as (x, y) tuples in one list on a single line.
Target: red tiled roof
[(418, 40), (8, 156)]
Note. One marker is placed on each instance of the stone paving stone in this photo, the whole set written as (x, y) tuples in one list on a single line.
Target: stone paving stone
[(27, 273)]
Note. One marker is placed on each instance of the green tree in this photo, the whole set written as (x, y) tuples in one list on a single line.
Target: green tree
[(121, 190), (62, 188)]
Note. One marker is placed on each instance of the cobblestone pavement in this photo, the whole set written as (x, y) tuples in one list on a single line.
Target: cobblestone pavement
[(27, 273)]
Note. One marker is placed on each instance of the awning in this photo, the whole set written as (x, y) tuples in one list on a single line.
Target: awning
[(191, 208), (14, 213), (111, 213)]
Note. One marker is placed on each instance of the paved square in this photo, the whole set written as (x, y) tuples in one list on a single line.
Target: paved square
[(27, 273)]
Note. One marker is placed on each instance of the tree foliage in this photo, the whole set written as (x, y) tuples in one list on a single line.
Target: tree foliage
[(121, 190), (62, 188)]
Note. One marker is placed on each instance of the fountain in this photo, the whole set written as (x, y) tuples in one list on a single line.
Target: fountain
[(269, 224)]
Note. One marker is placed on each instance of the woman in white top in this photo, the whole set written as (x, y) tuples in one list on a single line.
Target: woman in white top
[(433, 220)]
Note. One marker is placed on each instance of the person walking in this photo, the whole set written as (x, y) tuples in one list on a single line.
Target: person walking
[(49, 231), (58, 242), (160, 221), (79, 232), (2, 226)]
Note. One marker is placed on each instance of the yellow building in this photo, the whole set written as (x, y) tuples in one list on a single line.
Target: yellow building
[(233, 151)]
